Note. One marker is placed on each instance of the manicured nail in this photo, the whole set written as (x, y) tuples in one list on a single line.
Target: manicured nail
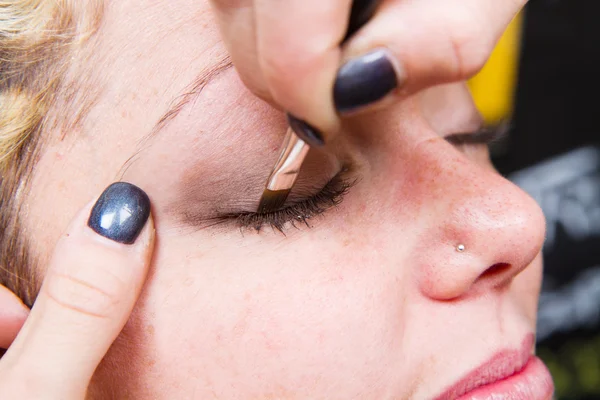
[(310, 135), (364, 80), (120, 213)]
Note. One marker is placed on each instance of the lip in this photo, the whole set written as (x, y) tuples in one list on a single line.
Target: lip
[(509, 374)]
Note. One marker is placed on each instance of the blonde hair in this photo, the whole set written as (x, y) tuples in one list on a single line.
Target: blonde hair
[(36, 38)]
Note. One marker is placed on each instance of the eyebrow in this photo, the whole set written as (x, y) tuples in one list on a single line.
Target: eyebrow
[(190, 94)]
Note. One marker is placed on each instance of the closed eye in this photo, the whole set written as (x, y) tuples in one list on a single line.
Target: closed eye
[(483, 136), (296, 212)]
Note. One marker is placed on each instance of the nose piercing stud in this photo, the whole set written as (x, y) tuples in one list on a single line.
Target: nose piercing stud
[(460, 248)]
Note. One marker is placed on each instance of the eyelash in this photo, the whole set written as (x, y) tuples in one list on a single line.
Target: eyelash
[(299, 212), (484, 136), (333, 192)]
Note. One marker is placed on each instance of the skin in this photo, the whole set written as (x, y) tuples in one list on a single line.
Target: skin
[(284, 62), (372, 302)]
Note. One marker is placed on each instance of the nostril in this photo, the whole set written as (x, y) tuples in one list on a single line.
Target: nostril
[(497, 276), (495, 271)]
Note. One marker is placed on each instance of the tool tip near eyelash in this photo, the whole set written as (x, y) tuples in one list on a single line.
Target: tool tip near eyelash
[(272, 200), (284, 174)]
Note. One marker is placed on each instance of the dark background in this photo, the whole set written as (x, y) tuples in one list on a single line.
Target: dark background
[(553, 152)]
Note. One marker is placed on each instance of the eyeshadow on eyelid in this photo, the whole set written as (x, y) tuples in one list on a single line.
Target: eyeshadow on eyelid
[(210, 203), (312, 196), (298, 211)]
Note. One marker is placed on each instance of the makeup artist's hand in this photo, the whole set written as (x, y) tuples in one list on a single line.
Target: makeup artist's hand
[(92, 283), (288, 52)]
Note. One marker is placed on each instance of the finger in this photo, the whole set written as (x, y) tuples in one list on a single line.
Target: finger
[(92, 283), (238, 29), (410, 45), (13, 314), (287, 53), (298, 44)]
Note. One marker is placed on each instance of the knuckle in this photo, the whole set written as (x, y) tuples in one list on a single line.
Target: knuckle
[(255, 82), (471, 45), (91, 287), (284, 70), (274, 65), (79, 296)]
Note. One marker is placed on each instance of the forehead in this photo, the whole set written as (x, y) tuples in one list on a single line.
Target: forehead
[(138, 67)]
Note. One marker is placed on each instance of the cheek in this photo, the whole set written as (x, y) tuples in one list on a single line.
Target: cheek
[(273, 323), (526, 288)]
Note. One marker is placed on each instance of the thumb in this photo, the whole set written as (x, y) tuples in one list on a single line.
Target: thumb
[(411, 45), (91, 286)]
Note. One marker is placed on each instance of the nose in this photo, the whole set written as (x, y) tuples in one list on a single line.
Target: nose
[(481, 230)]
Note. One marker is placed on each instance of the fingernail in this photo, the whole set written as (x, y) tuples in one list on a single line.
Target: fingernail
[(364, 80), (120, 213), (309, 134)]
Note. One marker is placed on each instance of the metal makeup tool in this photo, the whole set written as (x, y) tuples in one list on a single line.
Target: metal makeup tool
[(285, 173), (294, 150)]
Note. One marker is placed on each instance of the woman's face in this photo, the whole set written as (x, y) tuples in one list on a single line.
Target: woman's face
[(369, 300)]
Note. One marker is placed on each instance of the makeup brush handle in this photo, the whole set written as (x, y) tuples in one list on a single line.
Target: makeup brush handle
[(294, 149), (361, 13), (293, 153)]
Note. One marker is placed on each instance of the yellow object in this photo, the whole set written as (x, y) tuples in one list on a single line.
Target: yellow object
[(493, 88)]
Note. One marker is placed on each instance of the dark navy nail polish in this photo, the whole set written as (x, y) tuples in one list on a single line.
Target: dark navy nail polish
[(310, 135), (364, 81), (120, 213)]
